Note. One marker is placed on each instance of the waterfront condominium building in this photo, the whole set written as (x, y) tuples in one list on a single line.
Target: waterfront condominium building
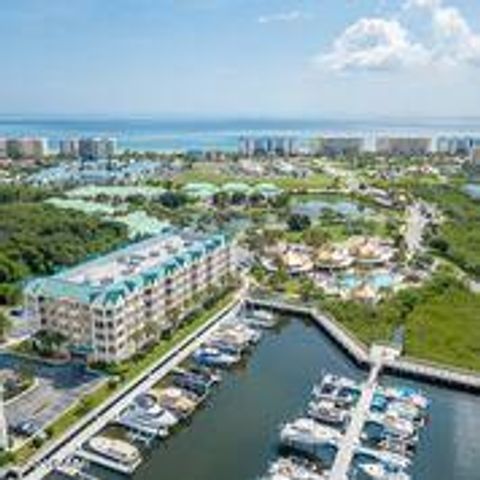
[(18, 148), (3, 148), (403, 146), (107, 307), (97, 148), (338, 146), (458, 146), (69, 148), (267, 146)]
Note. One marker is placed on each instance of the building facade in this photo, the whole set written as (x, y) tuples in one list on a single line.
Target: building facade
[(22, 148), (97, 148), (267, 146), (69, 148), (106, 307), (457, 146), (403, 146), (338, 146)]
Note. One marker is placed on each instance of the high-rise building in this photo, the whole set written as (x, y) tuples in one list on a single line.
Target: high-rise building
[(475, 155), (97, 148), (69, 148), (338, 146), (107, 306), (457, 146), (280, 146), (17, 148), (3, 148), (403, 146)]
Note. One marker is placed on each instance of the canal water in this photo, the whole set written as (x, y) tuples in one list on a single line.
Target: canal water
[(236, 434)]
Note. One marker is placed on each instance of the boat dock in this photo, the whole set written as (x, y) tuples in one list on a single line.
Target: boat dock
[(350, 441)]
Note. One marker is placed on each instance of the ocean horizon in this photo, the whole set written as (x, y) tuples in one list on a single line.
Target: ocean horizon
[(183, 134)]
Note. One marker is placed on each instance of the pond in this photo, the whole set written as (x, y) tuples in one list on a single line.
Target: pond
[(314, 207), (473, 190)]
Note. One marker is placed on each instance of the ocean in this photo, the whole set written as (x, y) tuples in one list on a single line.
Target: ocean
[(222, 134)]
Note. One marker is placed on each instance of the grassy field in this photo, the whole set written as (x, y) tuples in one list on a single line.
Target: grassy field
[(213, 175), (441, 321), (458, 238), (129, 371)]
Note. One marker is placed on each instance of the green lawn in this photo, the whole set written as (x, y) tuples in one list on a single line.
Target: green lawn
[(458, 238), (217, 177), (441, 321)]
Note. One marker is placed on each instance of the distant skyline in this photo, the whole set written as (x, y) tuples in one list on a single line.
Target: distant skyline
[(241, 58)]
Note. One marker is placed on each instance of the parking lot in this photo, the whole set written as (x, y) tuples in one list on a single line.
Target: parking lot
[(57, 388)]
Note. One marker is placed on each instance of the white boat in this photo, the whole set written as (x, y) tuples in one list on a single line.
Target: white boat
[(376, 471), (408, 395), (292, 468), (305, 432), (260, 319), (325, 411), (147, 413), (117, 450), (213, 357), (394, 425)]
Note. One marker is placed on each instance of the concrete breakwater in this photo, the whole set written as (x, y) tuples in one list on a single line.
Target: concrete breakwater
[(359, 352)]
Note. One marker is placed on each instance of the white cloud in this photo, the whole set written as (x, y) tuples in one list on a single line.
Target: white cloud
[(423, 4), (454, 40), (383, 43), (286, 17), (374, 44)]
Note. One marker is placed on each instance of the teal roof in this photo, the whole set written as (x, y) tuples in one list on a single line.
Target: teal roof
[(239, 187), (58, 286)]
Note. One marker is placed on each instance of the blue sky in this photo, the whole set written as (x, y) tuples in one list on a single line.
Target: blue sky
[(312, 58)]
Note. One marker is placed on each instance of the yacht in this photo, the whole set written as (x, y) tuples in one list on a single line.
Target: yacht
[(261, 319), (377, 471), (341, 390), (394, 426), (145, 411), (407, 395), (293, 468), (116, 450), (326, 411), (213, 357), (177, 400), (307, 434)]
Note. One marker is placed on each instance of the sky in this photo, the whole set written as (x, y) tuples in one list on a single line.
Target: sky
[(241, 58)]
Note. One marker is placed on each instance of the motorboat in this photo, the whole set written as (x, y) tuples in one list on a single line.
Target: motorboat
[(377, 471), (408, 395), (213, 357), (394, 425), (293, 468), (262, 319), (341, 390), (145, 411), (198, 384), (114, 449), (305, 432), (326, 411), (177, 400)]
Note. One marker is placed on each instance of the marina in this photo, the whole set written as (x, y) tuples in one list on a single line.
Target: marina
[(259, 395)]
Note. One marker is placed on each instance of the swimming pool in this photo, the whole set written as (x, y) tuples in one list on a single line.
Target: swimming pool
[(377, 280)]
